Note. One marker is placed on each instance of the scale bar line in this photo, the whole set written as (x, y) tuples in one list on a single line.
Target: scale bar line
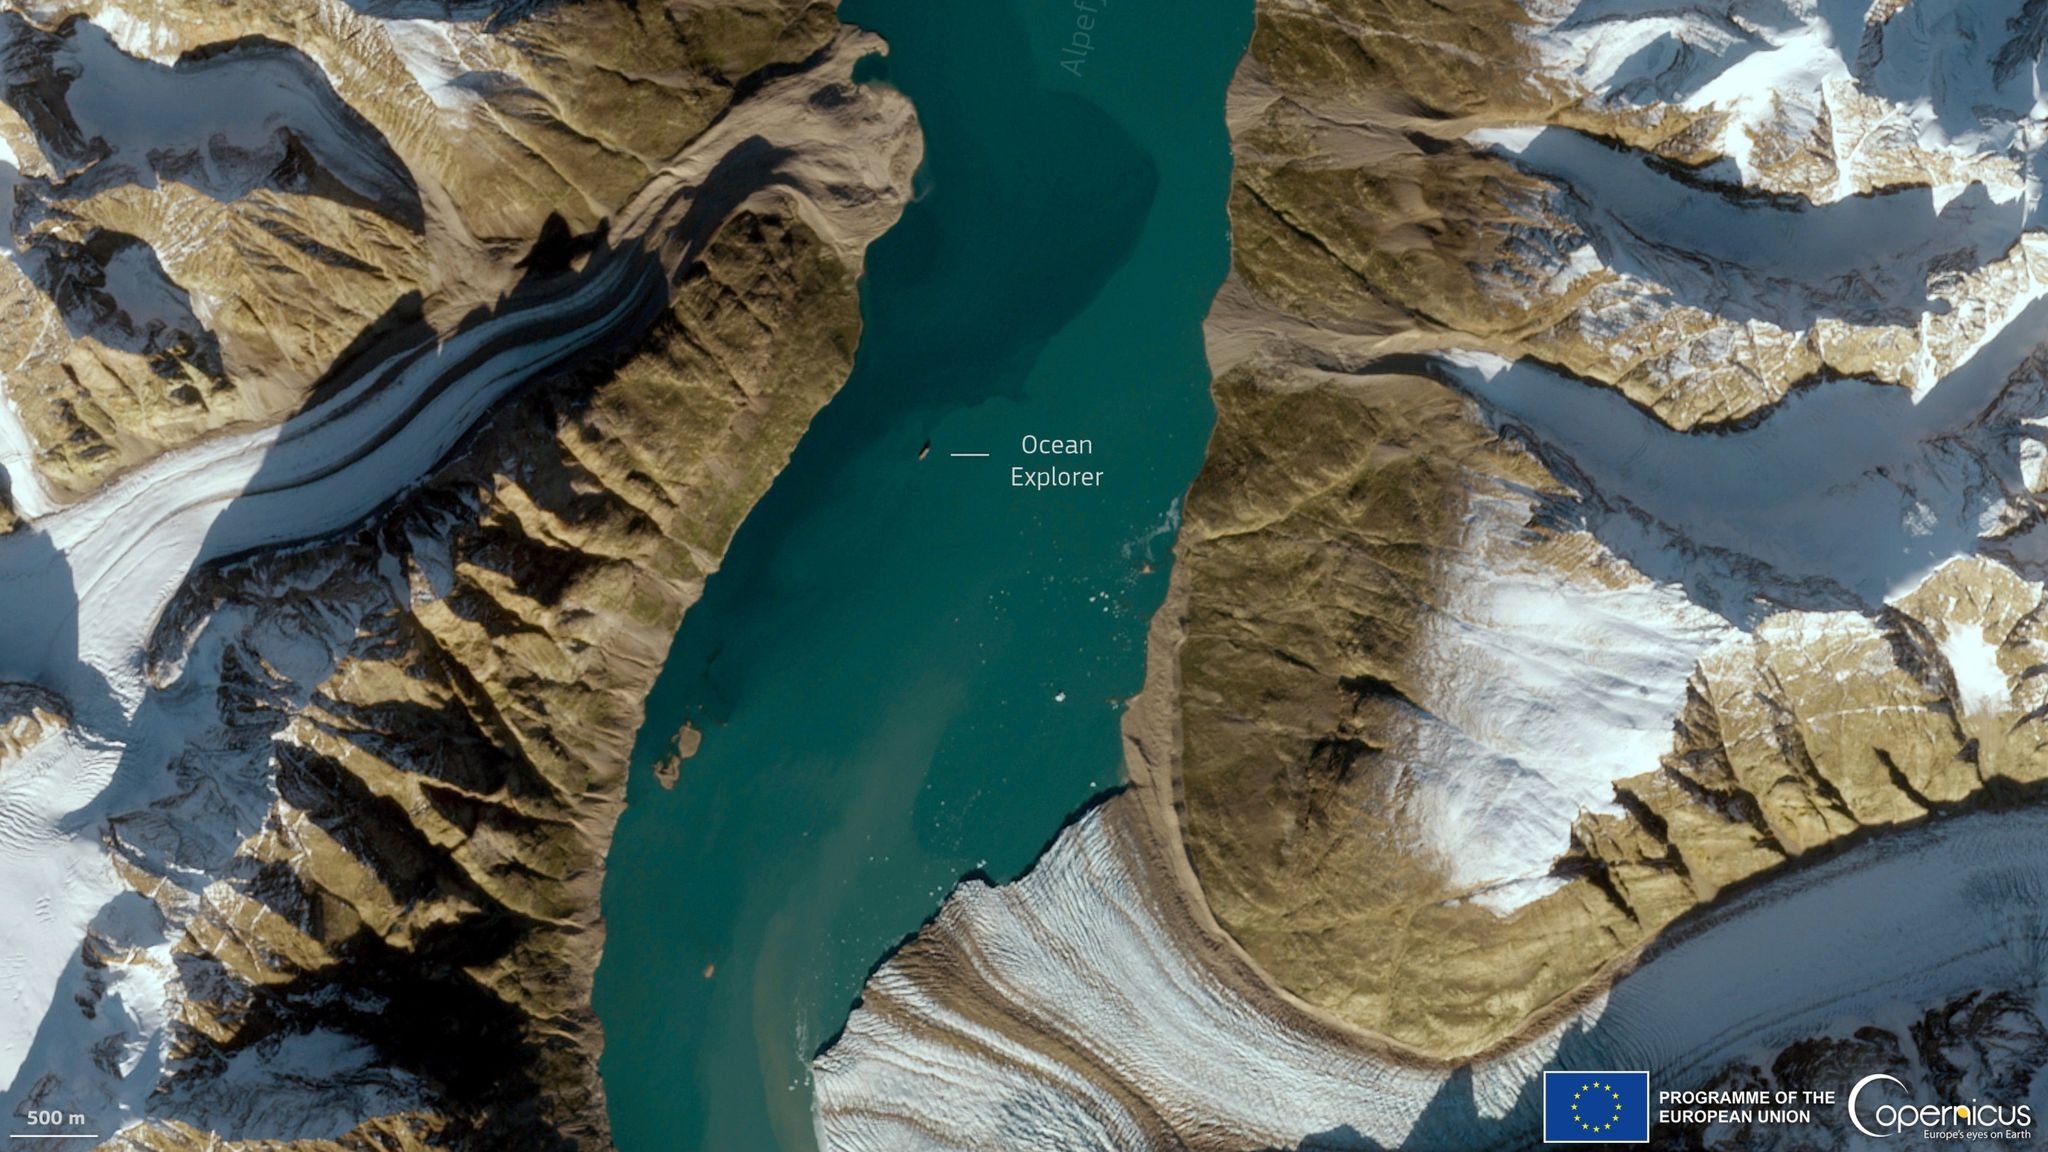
[(53, 1135), (978, 454)]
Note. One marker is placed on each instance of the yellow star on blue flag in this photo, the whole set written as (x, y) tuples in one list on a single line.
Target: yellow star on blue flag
[(1596, 1107)]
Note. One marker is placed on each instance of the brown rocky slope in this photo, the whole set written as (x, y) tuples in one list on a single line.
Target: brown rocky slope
[(1452, 720), (382, 843)]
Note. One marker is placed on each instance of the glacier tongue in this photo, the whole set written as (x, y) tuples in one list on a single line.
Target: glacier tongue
[(1047, 1006), (155, 773), (53, 882), (1760, 287)]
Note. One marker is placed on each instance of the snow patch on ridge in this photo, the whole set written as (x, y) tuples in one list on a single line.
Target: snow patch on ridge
[(1540, 688), (1981, 683), (433, 59), (1823, 100), (1773, 88), (1547, 677), (137, 37), (25, 489)]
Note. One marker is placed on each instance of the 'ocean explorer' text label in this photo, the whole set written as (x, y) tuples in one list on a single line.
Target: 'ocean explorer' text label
[(1024, 476)]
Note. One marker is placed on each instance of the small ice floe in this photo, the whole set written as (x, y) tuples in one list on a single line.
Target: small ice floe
[(1059, 697)]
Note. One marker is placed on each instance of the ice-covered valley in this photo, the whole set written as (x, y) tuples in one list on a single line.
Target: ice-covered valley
[(1905, 432), (1668, 696), (1071, 1009), (144, 710)]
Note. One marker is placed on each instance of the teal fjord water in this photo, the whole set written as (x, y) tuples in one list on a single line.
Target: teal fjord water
[(908, 669)]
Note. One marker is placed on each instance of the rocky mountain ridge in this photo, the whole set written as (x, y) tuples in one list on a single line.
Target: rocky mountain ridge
[(335, 705), (1625, 501)]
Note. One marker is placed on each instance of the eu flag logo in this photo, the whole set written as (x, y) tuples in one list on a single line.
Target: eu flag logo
[(1596, 1107)]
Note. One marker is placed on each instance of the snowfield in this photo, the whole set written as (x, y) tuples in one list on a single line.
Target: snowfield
[(86, 584), (1864, 188), (1086, 997)]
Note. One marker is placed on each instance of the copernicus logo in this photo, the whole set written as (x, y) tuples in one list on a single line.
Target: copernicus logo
[(1596, 1107), (1873, 1116)]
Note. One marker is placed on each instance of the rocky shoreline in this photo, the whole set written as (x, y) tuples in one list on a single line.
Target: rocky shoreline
[(1450, 725), (356, 819)]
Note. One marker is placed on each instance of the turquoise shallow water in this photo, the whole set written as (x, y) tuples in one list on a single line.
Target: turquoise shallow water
[(909, 670)]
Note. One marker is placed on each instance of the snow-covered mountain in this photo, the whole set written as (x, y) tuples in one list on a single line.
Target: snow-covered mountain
[(379, 390), (1618, 558)]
